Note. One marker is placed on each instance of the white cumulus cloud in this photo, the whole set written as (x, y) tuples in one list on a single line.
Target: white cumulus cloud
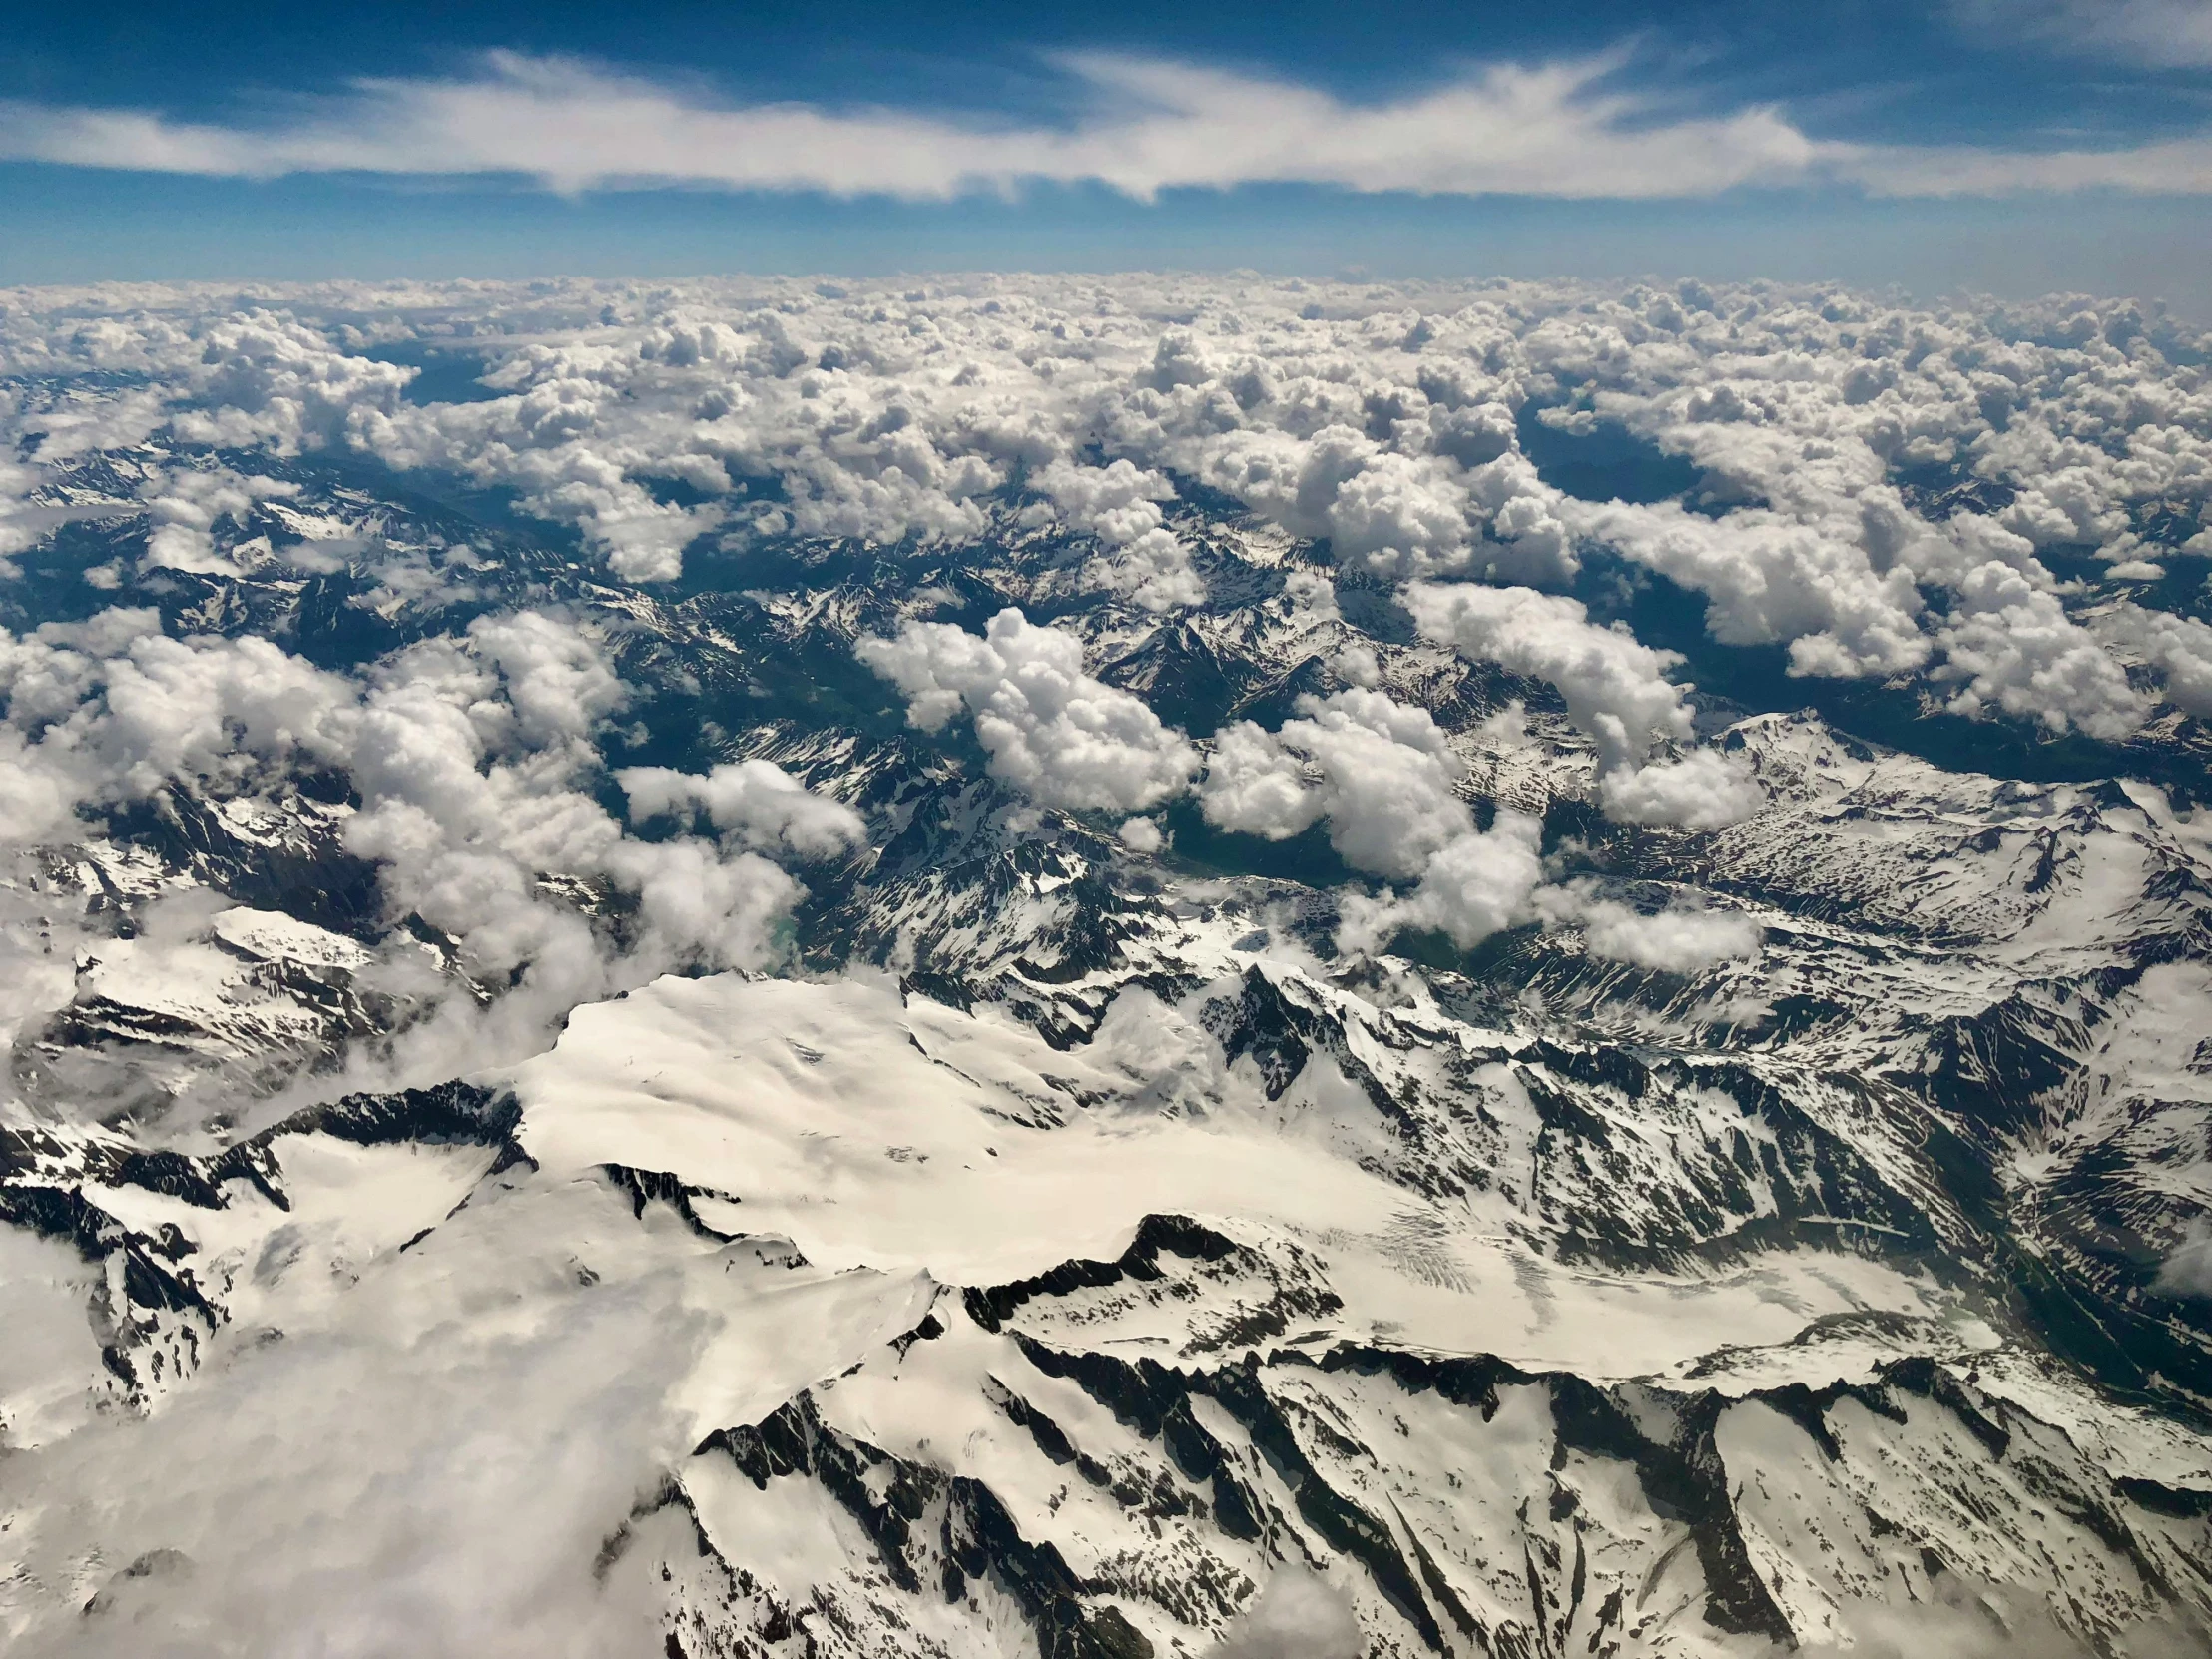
[(1050, 729), (1616, 688), (757, 802)]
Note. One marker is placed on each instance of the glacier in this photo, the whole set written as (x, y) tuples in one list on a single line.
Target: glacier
[(1103, 967)]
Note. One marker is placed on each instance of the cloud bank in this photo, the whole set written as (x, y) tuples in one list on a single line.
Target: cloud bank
[(1561, 129), (1382, 774), (1384, 423), (1988, 509)]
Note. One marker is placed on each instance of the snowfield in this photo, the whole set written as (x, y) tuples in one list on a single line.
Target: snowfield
[(1104, 969)]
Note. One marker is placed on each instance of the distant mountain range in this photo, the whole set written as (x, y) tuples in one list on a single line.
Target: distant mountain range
[(841, 1126)]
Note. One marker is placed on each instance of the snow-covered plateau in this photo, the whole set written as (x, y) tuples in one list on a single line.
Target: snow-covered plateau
[(1103, 969)]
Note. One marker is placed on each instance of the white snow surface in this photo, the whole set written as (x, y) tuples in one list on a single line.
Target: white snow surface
[(901, 1135), (1033, 967)]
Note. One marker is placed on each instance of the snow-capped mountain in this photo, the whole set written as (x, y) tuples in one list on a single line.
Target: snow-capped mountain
[(1123, 1072)]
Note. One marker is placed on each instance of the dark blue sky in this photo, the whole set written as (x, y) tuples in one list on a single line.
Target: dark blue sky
[(2004, 78)]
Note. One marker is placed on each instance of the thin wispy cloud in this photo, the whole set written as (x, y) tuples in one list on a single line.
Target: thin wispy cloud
[(1561, 130), (1149, 126), (2179, 167), (2155, 34)]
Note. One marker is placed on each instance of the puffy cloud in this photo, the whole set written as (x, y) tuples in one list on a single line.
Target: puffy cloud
[(110, 710), (2015, 648), (1477, 884), (552, 674), (1383, 775), (757, 802), (1682, 939), (1701, 790), (1119, 505), (38, 800), (1529, 539), (1383, 418), (1396, 506), (1378, 507), (1296, 1616), (1772, 579), (1474, 883), (1311, 590), (1154, 570), (1616, 689), (703, 905), (1139, 834), (2179, 647), (474, 759), (185, 504), (1050, 729), (1256, 786), (262, 378), (550, 442)]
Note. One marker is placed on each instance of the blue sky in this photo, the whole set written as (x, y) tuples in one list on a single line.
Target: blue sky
[(2012, 145)]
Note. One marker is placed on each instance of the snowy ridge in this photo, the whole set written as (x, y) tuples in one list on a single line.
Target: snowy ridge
[(966, 974)]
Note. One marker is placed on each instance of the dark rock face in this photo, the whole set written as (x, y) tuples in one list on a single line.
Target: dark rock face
[(453, 1113), (153, 1309), (1927, 1075), (931, 1531), (306, 872), (1271, 1450)]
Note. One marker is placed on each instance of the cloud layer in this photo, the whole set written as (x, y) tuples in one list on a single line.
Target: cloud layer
[(1988, 509), (1387, 422), (2160, 34), (472, 759), (1561, 129)]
